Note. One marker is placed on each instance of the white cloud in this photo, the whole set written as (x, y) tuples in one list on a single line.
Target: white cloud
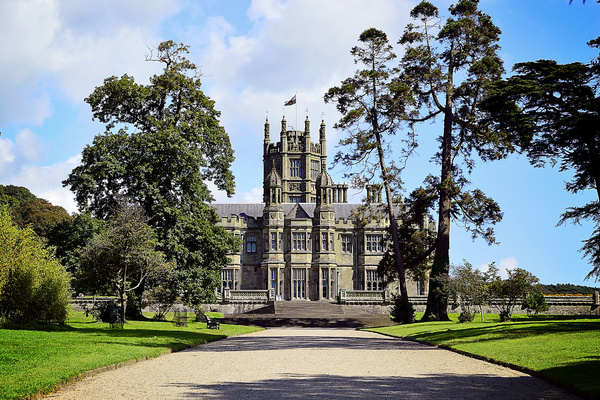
[(46, 182), (69, 46), (29, 145), (6, 153), (254, 195), (265, 9), (18, 167), (295, 46), (505, 264)]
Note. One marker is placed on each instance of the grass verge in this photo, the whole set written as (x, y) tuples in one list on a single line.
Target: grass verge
[(40, 360), (563, 349)]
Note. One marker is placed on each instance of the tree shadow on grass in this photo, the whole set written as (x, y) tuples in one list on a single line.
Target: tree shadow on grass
[(336, 387), (502, 331), (175, 339), (582, 375)]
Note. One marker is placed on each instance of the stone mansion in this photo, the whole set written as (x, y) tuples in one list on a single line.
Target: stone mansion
[(304, 241)]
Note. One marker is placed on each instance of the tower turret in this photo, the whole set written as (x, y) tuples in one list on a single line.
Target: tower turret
[(273, 183), (323, 139), (324, 186), (306, 127), (267, 135), (283, 135)]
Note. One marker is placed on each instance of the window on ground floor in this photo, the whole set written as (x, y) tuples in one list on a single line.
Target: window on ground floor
[(227, 279), (298, 283), (325, 283), (373, 281)]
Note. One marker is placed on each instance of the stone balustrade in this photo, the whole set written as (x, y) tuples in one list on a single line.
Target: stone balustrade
[(364, 296), (247, 296)]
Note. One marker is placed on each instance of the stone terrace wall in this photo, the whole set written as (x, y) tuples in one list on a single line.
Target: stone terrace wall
[(561, 305)]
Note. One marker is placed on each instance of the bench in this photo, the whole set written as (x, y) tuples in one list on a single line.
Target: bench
[(212, 323)]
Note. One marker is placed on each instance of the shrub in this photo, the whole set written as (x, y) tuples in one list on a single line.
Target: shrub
[(466, 316), (511, 291), (402, 310), (535, 302), (505, 315), (467, 287), (34, 287), (109, 313)]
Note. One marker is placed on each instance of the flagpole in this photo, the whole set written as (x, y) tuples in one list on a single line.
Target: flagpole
[(296, 96)]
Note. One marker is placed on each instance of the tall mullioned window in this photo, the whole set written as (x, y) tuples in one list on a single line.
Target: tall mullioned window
[(295, 168), (299, 241), (274, 279), (346, 244), (315, 169), (324, 282), (273, 241), (298, 283), (373, 281), (227, 279), (250, 244), (374, 243)]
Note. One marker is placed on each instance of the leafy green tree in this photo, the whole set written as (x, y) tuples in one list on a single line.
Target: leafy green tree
[(40, 215), (567, 288), (556, 107), (124, 255), (468, 287), (28, 210), (68, 238), (13, 196), (535, 303), (417, 240), (449, 67), (373, 105), (512, 291), (176, 146), (34, 287)]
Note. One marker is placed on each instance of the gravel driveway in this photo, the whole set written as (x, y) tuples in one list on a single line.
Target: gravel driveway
[(309, 363)]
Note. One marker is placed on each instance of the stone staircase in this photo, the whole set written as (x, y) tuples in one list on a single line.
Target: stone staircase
[(309, 314)]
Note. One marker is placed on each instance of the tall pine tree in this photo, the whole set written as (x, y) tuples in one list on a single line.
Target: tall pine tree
[(449, 66), (374, 104)]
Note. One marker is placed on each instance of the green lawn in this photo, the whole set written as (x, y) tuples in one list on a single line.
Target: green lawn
[(564, 348), (34, 360)]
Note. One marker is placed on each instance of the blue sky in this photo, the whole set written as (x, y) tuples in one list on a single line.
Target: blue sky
[(255, 55)]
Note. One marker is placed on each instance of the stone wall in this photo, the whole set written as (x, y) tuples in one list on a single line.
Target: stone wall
[(558, 305), (87, 303), (233, 308)]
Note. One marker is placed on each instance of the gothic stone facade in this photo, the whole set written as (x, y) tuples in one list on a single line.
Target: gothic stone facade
[(303, 241)]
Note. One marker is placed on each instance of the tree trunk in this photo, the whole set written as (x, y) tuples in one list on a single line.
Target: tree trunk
[(122, 305), (390, 205), (133, 308), (437, 302)]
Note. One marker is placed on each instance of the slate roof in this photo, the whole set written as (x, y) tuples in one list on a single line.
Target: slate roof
[(291, 210)]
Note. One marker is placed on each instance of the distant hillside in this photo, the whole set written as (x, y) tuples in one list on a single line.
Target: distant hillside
[(567, 288)]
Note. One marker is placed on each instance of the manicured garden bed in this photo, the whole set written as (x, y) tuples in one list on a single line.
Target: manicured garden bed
[(40, 359)]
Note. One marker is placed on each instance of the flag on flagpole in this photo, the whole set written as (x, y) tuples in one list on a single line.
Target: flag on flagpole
[(291, 102)]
